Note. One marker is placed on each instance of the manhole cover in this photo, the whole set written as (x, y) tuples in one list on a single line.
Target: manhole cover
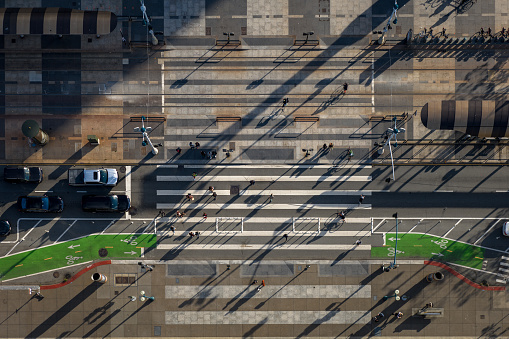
[(122, 169), (234, 190), (103, 252), (56, 274)]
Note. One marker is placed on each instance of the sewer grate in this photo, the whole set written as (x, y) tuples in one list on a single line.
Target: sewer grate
[(234, 190)]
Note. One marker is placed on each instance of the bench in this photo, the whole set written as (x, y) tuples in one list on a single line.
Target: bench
[(148, 119), (306, 42), (389, 117), (306, 119), (227, 119), (228, 42), (429, 312)]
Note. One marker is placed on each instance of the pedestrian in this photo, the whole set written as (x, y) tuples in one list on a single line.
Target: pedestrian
[(211, 188), (204, 215), (398, 315), (179, 150), (341, 215), (203, 154), (285, 236), (361, 199), (271, 197), (358, 242), (285, 102), (39, 295), (191, 234), (331, 146), (489, 31), (345, 88), (161, 213), (191, 145), (194, 176), (425, 31), (197, 235), (189, 197), (263, 283), (375, 319), (254, 282), (481, 31), (214, 153), (503, 32), (429, 305), (209, 155), (214, 194), (380, 315), (443, 32), (179, 215), (197, 145), (324, 147), (252, 182), (172, 228), (431, 32)]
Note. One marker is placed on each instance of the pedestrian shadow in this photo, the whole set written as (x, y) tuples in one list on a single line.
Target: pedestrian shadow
[(217, 280), (249, 334), (334, 98), (261, 304)]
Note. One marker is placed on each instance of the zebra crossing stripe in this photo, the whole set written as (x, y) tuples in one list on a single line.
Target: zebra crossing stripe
[(274, 291), (266, 317), (247, 179), (258, 247), (233, 166), (261, 220), (265, 206), (267, 192)]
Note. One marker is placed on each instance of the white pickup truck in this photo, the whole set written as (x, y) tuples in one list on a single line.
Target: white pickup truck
[(92, 177)]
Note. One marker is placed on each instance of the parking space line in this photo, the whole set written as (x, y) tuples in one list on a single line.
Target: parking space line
[(482, 236), (61, 235), (456, 224), (415, 225), (111, 223), (377, 226), (128, 188)]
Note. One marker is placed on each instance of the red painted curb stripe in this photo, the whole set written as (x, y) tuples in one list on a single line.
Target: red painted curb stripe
[(77, 275), (460, 276)]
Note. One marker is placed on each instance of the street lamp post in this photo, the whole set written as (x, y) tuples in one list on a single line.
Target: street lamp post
[(394, 13), (146, 139), (393, 264), (308, 34), (143, 297), (146, 22), (228, 34)]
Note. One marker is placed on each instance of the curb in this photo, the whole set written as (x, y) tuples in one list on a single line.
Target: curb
[(462, 277), (76, 276)]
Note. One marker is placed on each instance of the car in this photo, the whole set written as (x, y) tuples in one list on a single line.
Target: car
[(105, 203), (23, 174), (44, 203), (5, 228), (505, 229)]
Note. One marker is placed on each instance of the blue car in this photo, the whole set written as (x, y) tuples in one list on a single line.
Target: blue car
[(40, 204)]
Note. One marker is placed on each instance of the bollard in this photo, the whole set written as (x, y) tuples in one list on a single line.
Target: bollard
[(98, 277), (434, 277)]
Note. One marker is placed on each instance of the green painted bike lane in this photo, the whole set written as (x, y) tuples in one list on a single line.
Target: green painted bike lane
[(111, 246), (427, 246)]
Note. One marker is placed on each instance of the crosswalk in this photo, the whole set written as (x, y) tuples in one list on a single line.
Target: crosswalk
[(503, 270)]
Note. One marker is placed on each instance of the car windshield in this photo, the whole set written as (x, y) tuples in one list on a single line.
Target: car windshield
[(114, 202), (26, 173), (104, 176)]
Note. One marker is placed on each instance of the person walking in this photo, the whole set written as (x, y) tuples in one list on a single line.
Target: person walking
[(345, 87), (271, 197), (189, 197), (361, 199), (172, 228), (191, 235), (194, 176), (285, 102), (197, 235), (197, 144), (179, 215), (398, 315), (481, 32), (214, 194), (203, 154), (443, 32), (178, 150), (324, 147), (489, 32), (252, 182), (358, 242), (341, 215), (285, 236), (331, 146), (204, 215), (191, 145), (211, 189)]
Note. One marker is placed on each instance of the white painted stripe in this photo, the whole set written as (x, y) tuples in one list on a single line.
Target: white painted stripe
[(266, 206), (489, 230), (190, 292), (128, 190), (81, 191), (503, 269), (67, 229), (22, 239), (262, 220), (505, 258), (456, 224), (501, 191), (266, 317), (167, 166), (291, 235), (247, 179), (43, 191), (271, 166), (443, 191), (501, 281), (504, 263), (257, 247), (264, 192)]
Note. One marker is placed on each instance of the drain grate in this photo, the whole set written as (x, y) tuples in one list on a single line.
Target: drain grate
[(234, 190)]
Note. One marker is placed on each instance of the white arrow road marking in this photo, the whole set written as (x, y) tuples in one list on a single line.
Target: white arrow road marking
[(73, 246)]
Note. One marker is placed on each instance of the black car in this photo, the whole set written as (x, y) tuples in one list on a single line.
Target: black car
[(105, 203), (23, 174), (5, 228), (40, 204)]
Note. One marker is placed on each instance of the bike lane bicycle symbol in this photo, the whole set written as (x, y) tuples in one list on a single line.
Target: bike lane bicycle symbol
[(71, 259), (442, 243), (391, 251), (130, 241)]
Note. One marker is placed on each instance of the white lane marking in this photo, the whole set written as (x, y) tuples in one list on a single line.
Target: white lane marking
[(247, 178), (503, 269), (504, 263), (279, 246), (22, 239), (259, 220), (43, 191), (81, 191), (415, 225), (128, 188), (270, 166), (456, 224), (264, 192), (109, 225), (61, 235), (291, 234), (149, 224), (377, 226), (269, 206), (443, 191), (373, 82), (501, 191), (167, 166), (489, 229)]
